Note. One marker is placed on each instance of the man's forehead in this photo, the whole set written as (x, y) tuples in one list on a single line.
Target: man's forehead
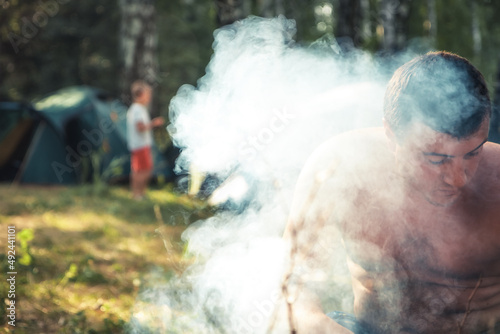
[(423, 137), (420, 134)]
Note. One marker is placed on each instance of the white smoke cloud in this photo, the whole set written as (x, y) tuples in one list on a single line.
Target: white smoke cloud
[(263, 93), (263, 106)]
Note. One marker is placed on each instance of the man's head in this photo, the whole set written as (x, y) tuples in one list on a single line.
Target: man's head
[(437, 111), (141, 92), (441, 90)]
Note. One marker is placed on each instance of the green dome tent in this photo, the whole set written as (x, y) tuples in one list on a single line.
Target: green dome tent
[(27, 136), (67, 137)]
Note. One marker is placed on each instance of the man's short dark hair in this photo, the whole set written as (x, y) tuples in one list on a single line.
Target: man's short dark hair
[(441, 90)]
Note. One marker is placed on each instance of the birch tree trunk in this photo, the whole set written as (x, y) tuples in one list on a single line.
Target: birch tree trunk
[(394, 15), (138, 42), (230, 11)]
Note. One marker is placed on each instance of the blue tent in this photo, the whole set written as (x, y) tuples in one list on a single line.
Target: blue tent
[(73, 135)]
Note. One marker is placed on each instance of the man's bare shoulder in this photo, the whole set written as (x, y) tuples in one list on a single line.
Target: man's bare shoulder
[(489, 171), (349, 147), (492, 154), (359, 153), (343, 156)]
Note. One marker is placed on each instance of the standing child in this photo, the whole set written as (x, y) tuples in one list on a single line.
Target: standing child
[(140, 138)]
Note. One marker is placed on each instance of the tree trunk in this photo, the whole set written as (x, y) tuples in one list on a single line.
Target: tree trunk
[(270, 8), (349, 23), (230, 11), (138, 44), (432, 19), (476, 32), (366, 28), (303, 13), (394, 15), (279, 7)]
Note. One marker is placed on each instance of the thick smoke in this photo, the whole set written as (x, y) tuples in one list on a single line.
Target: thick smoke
[(263, 106), (267, 100)]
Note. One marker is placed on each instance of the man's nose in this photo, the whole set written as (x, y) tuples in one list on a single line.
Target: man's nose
[(455, 174)]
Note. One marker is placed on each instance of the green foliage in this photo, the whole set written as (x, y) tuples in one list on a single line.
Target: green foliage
[(114, 168), (24, 237), (113, 326), (70, 274), (85, 272), (46, 46), (88, 253), (79, 324), (184, 46)]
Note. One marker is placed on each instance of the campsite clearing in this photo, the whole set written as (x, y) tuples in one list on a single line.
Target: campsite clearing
[(73, 135), (82, 254)]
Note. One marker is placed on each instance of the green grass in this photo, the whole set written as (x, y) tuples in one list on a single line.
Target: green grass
[(91, 250)]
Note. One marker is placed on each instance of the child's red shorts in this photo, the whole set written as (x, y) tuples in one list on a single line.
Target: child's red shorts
[(141, 160)]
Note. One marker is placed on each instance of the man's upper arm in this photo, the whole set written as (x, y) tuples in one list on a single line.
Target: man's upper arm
[(318, 169), (310, 236)]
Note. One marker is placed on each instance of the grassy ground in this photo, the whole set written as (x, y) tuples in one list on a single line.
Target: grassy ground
[(82, 253)]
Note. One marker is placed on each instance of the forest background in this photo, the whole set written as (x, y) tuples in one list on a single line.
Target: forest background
[(50, 44), (87, 255)]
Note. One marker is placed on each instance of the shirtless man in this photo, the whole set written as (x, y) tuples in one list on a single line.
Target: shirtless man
[(417, 206)]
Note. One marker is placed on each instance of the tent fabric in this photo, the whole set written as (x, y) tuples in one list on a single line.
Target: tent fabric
[(13, 138), (75, 134), (18, 125), (44, 154)]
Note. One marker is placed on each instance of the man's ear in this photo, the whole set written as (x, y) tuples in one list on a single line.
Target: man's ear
[(391, 137)]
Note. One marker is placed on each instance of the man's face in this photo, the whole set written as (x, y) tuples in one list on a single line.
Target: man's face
[(438, 166)]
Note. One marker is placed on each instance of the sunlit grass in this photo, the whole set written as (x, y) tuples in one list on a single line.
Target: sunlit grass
[(92, 251)]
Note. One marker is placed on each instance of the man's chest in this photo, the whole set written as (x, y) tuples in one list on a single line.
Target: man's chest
[(424, 243)]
